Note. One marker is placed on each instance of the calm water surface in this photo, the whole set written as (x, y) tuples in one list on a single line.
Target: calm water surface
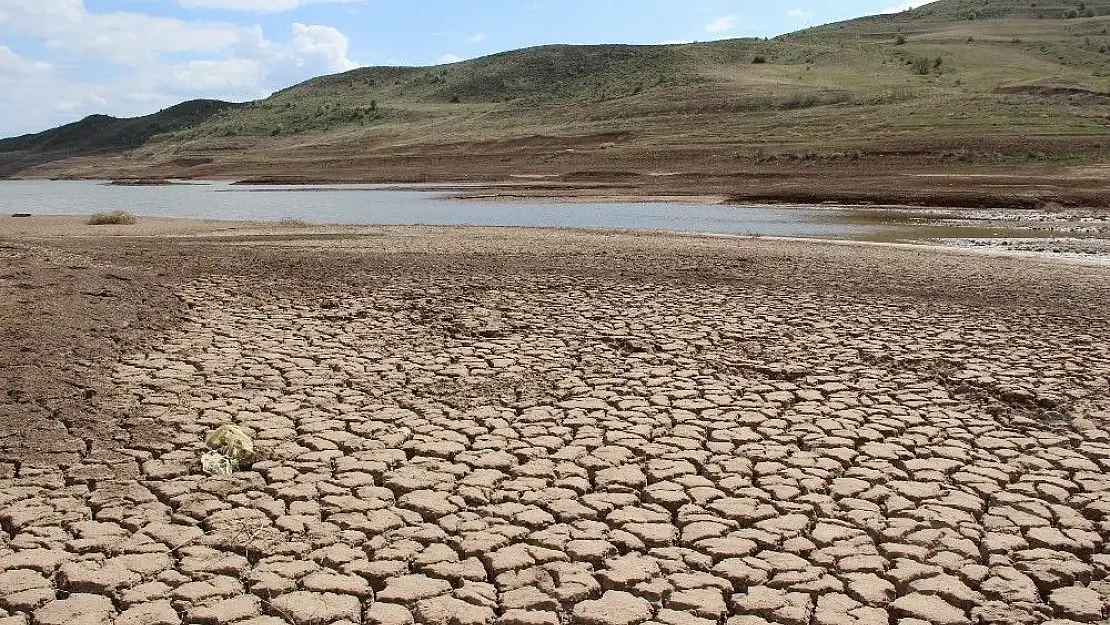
[(376, 204)]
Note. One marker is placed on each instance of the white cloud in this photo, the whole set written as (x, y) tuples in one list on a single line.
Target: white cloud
[(913, 4), (256, 6), (127, 63), (449, 58), (476, 38), (128, 38), (212, 76), (324, 41), (722, 24), (34, 97), (82, 100), (797, 13), (11, 63)]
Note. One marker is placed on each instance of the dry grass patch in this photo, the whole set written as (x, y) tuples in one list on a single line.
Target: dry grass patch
[(112, 218)]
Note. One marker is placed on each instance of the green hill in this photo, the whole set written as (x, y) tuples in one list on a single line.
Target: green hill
[(100, 134), (964, 81)]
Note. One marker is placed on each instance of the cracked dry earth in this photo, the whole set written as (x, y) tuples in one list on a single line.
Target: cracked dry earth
[(798, 434)]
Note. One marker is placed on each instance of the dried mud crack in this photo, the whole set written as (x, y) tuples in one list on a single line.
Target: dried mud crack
[(470, 426)]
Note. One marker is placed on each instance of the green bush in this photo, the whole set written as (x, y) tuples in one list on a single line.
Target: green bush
[(922, 65)]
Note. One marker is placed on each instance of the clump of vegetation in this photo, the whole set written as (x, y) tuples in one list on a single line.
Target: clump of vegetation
[(112, 218), (1084, 11), (759, 59), (293, 222), (900, 40), (922, 65)]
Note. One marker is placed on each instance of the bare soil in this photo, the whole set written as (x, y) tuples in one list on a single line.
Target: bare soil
[(477, 425)]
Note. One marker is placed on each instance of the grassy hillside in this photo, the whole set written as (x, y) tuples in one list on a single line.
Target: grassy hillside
[(100, 134), (957, 81)]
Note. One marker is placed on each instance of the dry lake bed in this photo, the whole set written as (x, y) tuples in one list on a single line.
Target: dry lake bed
[(461, 426)]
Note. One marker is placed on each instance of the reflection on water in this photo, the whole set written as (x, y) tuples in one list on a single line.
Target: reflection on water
[(379, 204)]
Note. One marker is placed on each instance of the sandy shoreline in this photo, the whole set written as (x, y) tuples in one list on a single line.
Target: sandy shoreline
[(1092, 252)]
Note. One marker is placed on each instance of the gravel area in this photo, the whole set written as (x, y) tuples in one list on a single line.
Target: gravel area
[(472, 426)]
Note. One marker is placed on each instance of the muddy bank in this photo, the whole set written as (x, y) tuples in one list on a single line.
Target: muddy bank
[(64, 319)]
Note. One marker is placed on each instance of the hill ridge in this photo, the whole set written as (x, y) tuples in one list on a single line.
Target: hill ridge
[(953, 82)]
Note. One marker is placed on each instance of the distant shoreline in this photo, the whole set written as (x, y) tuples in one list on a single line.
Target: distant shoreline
[(989, 189)]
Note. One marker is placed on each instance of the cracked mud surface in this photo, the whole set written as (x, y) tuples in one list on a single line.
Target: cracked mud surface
[(468, 426)]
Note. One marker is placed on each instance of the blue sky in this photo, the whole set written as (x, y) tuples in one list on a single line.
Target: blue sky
[(63, 59)]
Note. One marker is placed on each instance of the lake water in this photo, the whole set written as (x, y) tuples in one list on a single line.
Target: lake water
[(378, 204)]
